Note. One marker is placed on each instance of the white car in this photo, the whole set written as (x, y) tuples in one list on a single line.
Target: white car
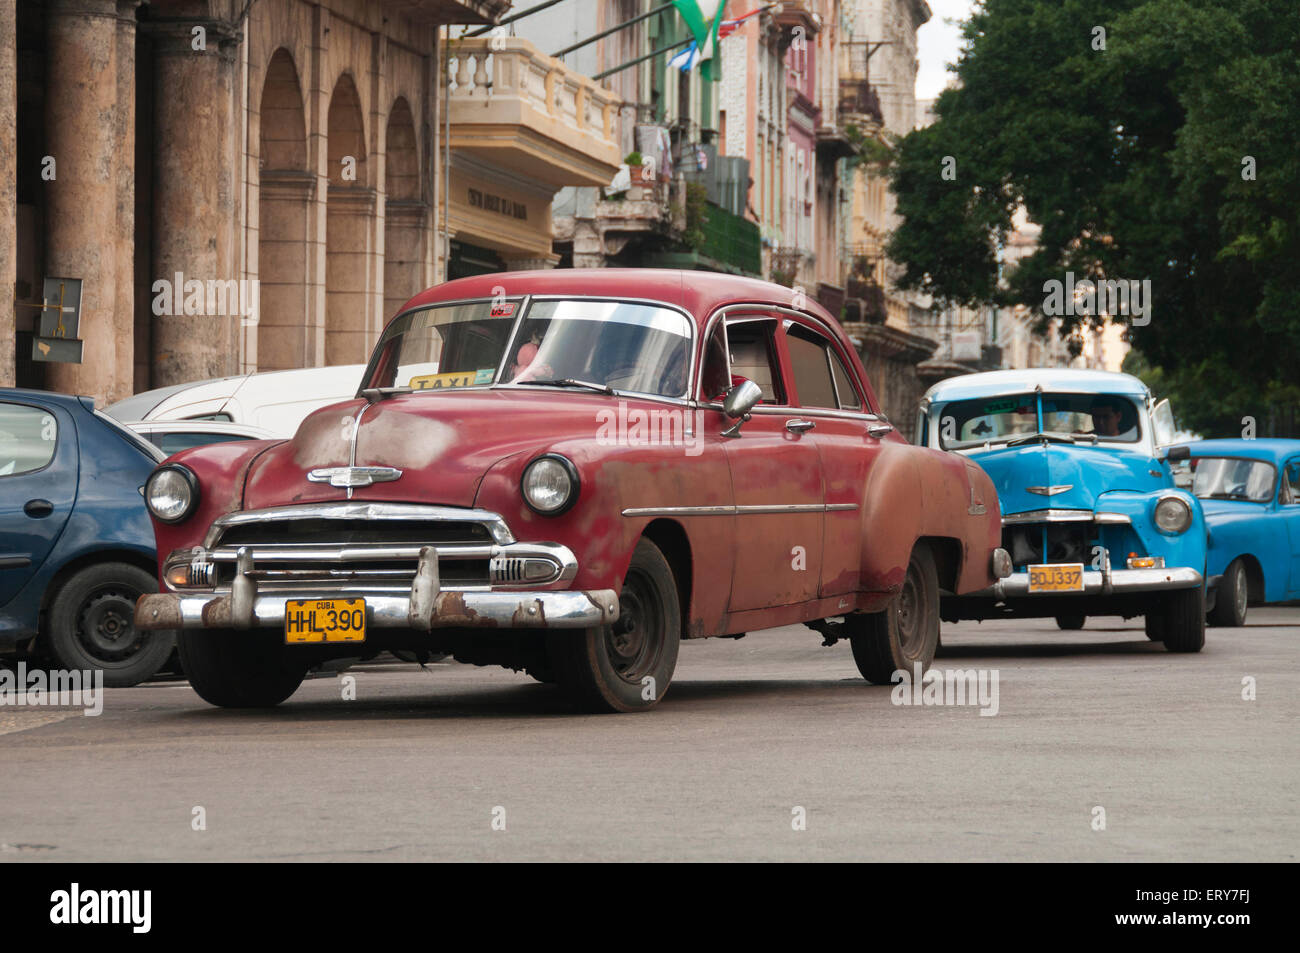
[(273, 401), (173, 436)]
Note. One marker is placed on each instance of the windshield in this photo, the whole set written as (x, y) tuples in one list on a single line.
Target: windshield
[(635, 348), (1084, 417), (1232, 478)]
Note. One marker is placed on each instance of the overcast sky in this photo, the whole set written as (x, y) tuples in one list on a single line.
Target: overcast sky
[(938, 42)]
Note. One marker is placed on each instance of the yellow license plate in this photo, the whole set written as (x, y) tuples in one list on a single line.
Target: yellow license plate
[(1059, 577), (324, 620)]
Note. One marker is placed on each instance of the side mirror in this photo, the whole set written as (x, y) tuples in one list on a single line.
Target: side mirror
[(1178, 454), (740, 400)]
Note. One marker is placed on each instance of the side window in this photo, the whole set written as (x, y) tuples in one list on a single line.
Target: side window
[(753, 356), (175, 442), (1291, 481), (849, 399), (809, 359), (715, 381), (28, 438)]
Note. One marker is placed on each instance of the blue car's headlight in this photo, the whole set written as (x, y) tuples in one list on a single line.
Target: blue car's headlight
[(172, 493), (1172, 515)]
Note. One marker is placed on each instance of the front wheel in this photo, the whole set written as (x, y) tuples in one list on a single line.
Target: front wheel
[(1182, 620), (905, 634), (92, 625), (1070, 623), (233, 669), (1230, 604), (626, 666)]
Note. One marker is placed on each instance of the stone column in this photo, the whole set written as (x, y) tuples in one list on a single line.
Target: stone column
[(124, 149), (194, 209), (81, 202), (8, 196)]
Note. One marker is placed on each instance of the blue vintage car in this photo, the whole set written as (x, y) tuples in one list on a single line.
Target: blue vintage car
[(76, 545), (1250, 492), (1090, 513)]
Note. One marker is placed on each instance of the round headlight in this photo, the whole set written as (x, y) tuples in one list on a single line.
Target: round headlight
[(171, 493), (550, 484), (1173, 515)]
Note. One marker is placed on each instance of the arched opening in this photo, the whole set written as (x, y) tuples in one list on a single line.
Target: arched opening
[(284, 334), (404, 211), (349, 221)]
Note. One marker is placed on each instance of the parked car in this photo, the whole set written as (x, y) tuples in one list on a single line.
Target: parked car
[(569, 479), (173, 436), (274, 401), (1250, 492), (76, 545), (1090, 513)]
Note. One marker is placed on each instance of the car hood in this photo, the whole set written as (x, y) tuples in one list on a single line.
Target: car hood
[(1078, 474), (443, 444)]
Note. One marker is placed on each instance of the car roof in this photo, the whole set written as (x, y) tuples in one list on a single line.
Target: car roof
[(67, 401), (138, 406), (1265, 448), (1070, 380), (698, 292), (196, 426), (166, 400)]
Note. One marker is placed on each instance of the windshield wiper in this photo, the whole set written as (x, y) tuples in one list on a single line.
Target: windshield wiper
[(572, 382), (1031, 437), (375, 394)]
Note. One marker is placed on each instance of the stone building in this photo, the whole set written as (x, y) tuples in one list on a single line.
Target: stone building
[(252, 186)]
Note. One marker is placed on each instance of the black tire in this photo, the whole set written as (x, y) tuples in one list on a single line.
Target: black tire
[(1184, 620), (904, 634), (1154, 623), (92, 625), (232, 669), (1070, 623), (604, 668), (1230, 601)]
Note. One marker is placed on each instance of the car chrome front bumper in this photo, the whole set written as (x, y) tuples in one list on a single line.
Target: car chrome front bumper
[(1099, 583), (424, 607)]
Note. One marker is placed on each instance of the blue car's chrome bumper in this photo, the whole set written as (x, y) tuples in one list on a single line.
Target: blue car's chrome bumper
[(1099, 583)]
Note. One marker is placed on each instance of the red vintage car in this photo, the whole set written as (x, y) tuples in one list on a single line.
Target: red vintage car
[(567, 473)]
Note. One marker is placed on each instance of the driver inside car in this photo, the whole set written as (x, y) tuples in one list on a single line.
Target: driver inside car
[(1108, 415)]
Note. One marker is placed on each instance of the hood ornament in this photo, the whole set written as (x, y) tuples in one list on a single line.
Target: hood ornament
[(350, 477), (1050, 490)]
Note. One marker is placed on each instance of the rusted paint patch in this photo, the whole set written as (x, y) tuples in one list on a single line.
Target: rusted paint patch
[(216, 614), (157, 611), (449, 609)]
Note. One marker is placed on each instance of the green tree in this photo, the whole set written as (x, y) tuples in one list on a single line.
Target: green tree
[(1150, 139)]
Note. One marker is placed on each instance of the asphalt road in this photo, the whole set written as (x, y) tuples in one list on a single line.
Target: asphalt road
[(420, 765)]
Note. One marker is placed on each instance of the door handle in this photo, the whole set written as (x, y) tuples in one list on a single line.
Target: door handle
[(879, 430), (799, 426), (38, 508)]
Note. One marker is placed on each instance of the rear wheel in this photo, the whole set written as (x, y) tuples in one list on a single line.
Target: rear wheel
[(1070, 622), (626, 666), (233, 669), (92, 625), (1230, 602), (1184, 620), (905, 634)]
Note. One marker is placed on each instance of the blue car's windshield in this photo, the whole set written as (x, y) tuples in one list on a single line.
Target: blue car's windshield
[(1233, 478), (992, 420)]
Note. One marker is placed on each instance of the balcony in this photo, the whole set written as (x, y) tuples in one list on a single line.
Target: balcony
[(434, 12), (860, 103), (728, 243), (519, 109)]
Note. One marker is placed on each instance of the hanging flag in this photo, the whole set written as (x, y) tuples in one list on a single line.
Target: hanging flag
[(686, 59), (703, 17)]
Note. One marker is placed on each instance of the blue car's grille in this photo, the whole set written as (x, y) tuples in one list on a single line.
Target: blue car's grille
[(1035, 543)]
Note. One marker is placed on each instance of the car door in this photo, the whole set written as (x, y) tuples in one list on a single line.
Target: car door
[(1289, 510), (776, 478), (833, 403), (38, 485)]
